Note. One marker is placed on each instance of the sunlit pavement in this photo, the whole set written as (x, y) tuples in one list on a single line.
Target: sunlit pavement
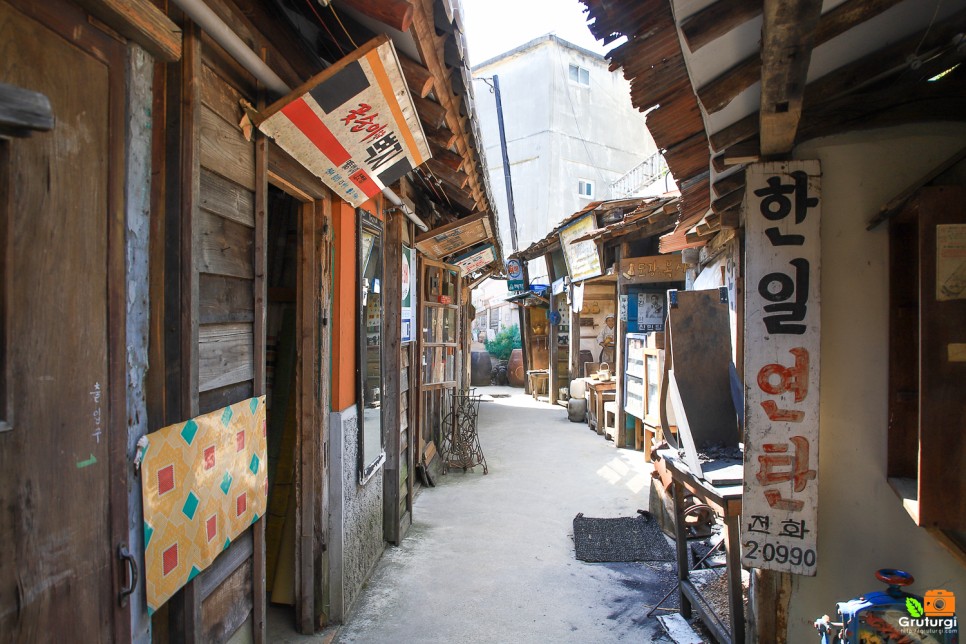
[(490, 558)]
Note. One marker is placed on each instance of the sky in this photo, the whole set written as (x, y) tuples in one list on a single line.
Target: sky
[(496, 26)]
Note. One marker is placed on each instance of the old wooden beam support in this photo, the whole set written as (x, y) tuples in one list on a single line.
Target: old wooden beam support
[(788, 34), (142, 22), (726, 185), (849, 78), (23, 111), (716, 20), (718, 93), (398, 14), (431, 113), (451, 159), (418, 78), (445, 173), (730, 200), (443, 137)]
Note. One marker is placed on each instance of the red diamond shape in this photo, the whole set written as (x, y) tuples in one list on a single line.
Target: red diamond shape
[(165, 480), (211, 526), (169, 559), (209, 457), (241, 504), (239, 441)]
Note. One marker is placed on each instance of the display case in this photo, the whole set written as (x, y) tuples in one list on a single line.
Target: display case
[(643, 371)]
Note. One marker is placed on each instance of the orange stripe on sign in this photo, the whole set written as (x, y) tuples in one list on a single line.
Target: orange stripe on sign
[(308, 122), (385, 85)]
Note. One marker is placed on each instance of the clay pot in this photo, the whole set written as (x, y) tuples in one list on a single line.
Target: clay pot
[(480, 368), (514, 368)]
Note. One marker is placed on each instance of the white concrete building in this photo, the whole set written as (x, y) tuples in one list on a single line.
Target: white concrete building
[(570, 129)]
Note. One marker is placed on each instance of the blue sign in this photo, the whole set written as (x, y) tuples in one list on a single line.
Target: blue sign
[(514, 271)]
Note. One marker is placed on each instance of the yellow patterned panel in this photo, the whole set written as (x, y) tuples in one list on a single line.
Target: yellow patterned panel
[(203, 483)]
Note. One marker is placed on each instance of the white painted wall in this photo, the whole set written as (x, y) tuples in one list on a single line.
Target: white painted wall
[(557, 133), (862, 526)]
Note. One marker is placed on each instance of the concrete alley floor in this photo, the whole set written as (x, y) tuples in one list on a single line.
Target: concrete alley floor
[(490, 558)]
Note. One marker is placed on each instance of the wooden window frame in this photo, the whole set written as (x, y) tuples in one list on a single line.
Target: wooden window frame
[(927, 412)]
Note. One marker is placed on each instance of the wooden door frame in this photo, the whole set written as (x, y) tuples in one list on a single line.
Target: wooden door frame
[(313, 286)]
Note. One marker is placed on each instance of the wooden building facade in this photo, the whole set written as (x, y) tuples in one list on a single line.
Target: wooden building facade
[(174, 263)]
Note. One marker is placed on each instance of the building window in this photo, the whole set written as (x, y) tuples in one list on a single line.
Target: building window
[(585, 188), (579, 75), (495, 319)]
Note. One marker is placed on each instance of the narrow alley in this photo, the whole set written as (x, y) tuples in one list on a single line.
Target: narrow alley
[(490, 558)]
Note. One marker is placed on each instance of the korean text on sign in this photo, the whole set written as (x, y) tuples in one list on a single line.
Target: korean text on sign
[(782, 367)]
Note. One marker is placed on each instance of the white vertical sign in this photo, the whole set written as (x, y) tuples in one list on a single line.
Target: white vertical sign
[(782, 338)]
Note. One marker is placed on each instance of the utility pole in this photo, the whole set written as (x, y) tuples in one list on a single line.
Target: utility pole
[(506, 164)]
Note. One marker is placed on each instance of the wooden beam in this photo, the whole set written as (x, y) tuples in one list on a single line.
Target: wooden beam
[(430, 48), (788, 34), (431, 113), (727, 202), (398, 14), (142, 22), (716, 20), (445, 173), (443, 137), (418, 78), (23, 111), (453, 160), (850, 78), (725, 185), (718, 93)]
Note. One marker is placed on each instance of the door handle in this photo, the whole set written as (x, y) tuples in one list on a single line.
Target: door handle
[(131, 578)]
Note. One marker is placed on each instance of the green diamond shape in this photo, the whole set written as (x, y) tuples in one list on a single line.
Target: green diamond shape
[(227, 543), (253, 404), (150, 611), (189, 431), (226, 482), (253, 466), (255, 518), (194, 573), (226, 416), (148, 531), (190, 505)]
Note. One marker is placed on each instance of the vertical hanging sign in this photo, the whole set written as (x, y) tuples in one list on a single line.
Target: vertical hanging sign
[(408, 278), (782, 334)]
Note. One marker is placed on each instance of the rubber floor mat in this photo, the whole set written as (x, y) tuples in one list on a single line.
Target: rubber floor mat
[(620, 539)]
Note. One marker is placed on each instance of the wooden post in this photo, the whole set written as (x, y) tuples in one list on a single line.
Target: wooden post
[(392, 346)]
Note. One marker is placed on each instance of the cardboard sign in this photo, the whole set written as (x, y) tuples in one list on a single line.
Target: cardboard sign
[(583, 262), (354, 125), (476, 260), (782, 341)]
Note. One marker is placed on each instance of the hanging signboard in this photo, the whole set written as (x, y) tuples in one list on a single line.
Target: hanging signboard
[(514, 271), (476, 259), (353, 125), (408, 278), (782, 328), (456, 236), (652, 269), (583, 261)]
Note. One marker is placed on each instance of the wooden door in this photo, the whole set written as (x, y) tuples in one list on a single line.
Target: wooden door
[(62, 485)]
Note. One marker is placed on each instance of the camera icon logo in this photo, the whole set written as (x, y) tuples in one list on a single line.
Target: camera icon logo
[(939, 603)]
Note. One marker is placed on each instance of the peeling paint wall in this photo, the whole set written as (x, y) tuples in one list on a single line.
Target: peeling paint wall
[(137, 200), (355, 516)]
